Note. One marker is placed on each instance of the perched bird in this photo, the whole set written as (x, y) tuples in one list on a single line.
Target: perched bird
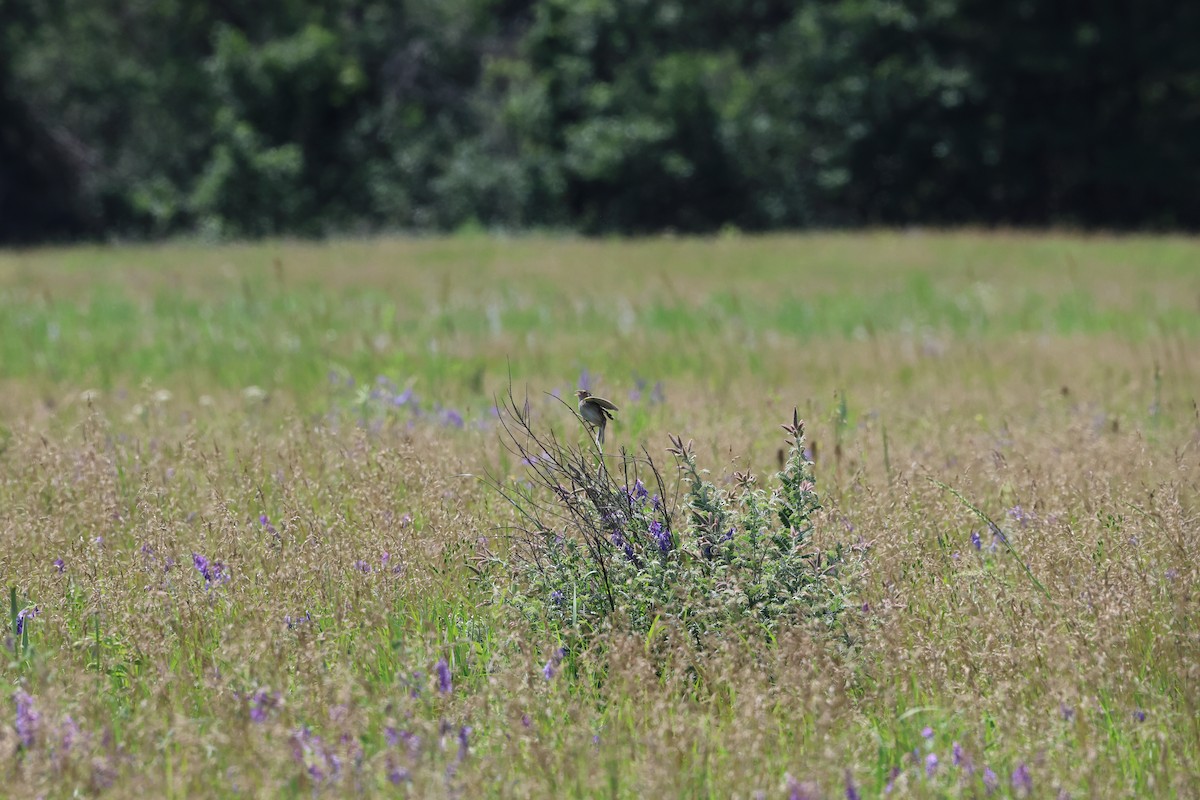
[(596, 411)]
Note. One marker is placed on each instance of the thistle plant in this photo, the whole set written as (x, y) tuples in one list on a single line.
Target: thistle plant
[(601, 540)]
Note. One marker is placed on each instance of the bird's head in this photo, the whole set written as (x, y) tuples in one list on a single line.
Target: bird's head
[(583, 394)]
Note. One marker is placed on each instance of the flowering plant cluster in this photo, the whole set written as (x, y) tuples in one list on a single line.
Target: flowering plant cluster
[(600, 544)]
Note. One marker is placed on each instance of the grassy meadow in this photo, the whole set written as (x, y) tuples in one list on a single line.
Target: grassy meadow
[(250, 548)]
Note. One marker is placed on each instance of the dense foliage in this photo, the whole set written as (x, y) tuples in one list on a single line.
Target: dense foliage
[(595, 542), (159, 116)]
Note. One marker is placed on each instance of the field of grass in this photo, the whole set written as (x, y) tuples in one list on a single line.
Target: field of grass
[(250, 551)]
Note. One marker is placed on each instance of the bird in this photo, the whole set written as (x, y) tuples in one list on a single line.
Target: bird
[(596, 411)]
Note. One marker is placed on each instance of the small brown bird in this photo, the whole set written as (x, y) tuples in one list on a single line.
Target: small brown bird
[(596, 411)]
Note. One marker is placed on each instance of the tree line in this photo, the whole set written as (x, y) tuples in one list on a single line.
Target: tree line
[(147, 118)]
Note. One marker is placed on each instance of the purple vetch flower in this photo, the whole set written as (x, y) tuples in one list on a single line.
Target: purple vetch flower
[(464, 741), (265, 521), (927, 734), (310, 752), (261, 703), (24, 614), (445, 686), (69, 733), (800, 791), (526, 721), (1022, 781), (960, 758), (620, 541), (931, 765), (556, 597), (212, 571), (396, 737), (1066, 712), (976, 541), (585, 379), (362, 567), (397, 774), (28, 718), (991, 782), (639, 490), (1139, 715), (1020, 516), (452, 418), (295, 622), (551, 667), (661, 536), (891, 782), (851, 789), (59, 565)]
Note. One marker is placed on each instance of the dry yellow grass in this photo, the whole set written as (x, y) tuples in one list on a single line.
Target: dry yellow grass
[(1073, 426)]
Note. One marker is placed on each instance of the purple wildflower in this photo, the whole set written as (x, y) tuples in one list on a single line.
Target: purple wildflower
[(212, 571), (261, 702), (70, 733), (59, 565), (1066, 712), (295, 622), (976, 541), (585, 379), (362, 567), (620, 541), (310, 752), (927, 734), (851, 789), (1020, 515), (991, 782), (931, 765), (526, 721), (27, 717), (1139, 715), (661, 536), (556, 597), (551, 667), (452, 418), (445, 686), (265, 521), (464, 741), (398, 775), (799, 791), (960, 758), (24, 614), (1022, 781)]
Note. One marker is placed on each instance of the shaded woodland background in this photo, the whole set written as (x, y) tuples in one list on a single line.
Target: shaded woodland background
[(148, 118)]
